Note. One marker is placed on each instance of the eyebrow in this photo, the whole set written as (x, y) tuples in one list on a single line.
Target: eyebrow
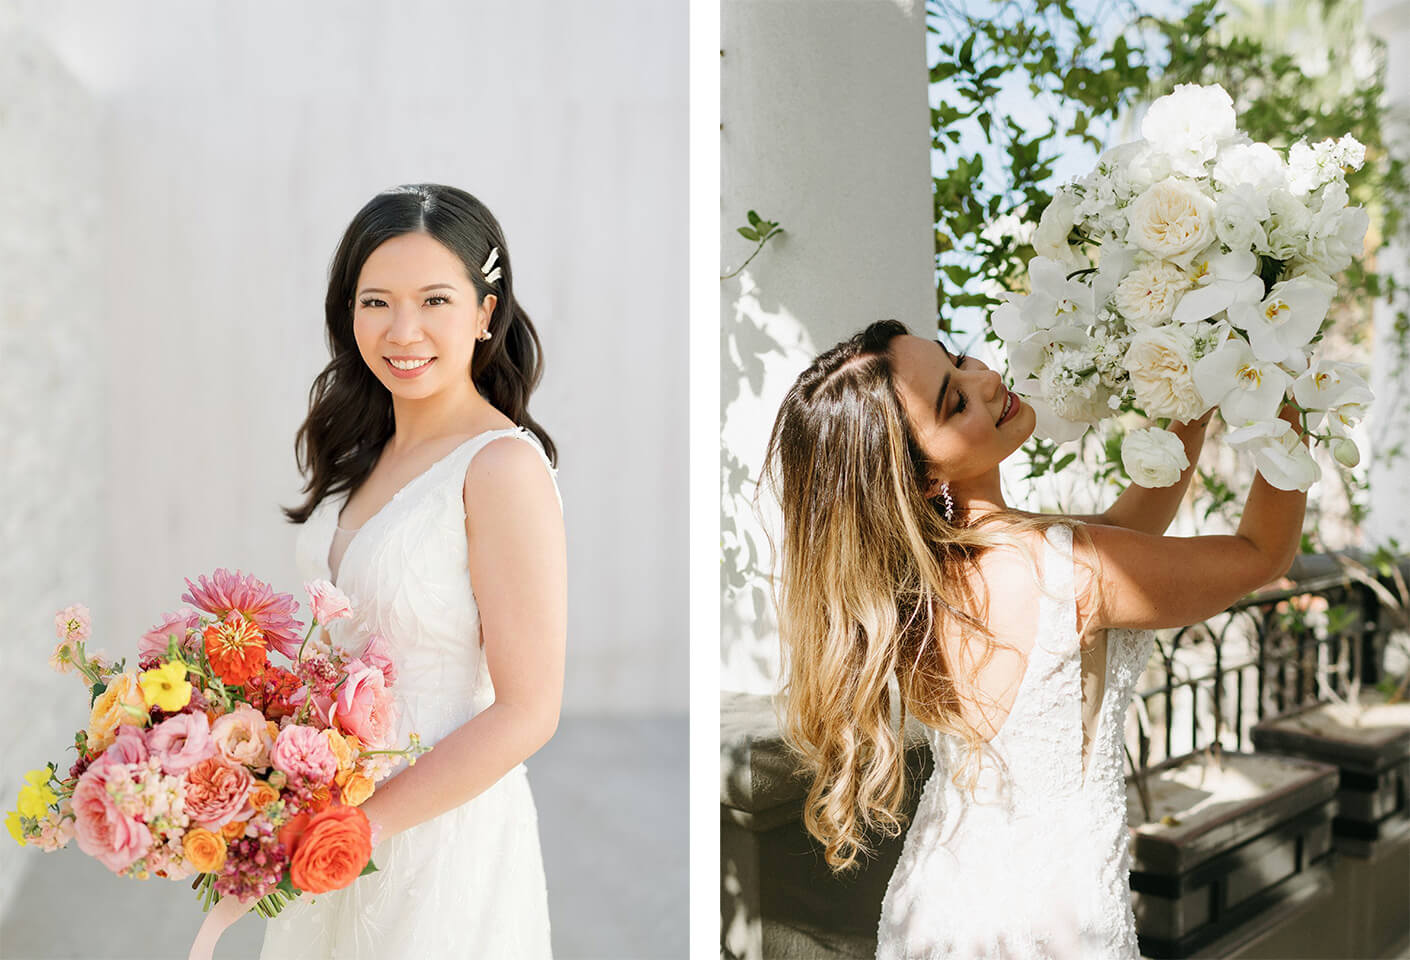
[(433, 286)]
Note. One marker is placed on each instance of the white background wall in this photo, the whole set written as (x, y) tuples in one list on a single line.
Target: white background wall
[(825, 129), (176, 176)]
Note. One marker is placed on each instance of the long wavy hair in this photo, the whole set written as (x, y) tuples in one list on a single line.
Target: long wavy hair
[(350, 411), (869, 574)]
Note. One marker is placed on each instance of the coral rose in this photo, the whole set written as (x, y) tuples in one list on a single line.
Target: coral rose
[(243, 736), (182, 741), (303, 752), (103, 831), (365, 707), (205, 850), (110, 710), (233, 830), (236, 648), (331, 851), (262, 795), (217, 791)]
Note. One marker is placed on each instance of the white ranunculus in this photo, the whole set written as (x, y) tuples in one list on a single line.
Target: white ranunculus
[(1278, 453), (1188, 124), (1172, 220), (1153, 457), (1239, 213), (1220, 280), (1148, 294), (1245, 388), (1158, 360), (1050, 239), (1287, 319)]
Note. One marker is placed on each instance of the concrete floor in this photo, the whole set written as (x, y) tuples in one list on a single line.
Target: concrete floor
[(613, 820)]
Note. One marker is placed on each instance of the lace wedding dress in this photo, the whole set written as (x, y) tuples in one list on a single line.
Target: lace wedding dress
[(1036, 863), (470, 882)]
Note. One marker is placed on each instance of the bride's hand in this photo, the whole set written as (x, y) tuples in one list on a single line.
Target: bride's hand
[(226, 911)]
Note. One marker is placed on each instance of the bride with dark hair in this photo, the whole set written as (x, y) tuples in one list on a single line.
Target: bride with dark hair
[(432, 502), (1015, 637)]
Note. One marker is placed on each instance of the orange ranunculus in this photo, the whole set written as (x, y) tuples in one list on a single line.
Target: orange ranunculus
[(233, 830), (262, 795), (332, 850), (110, 710), (356, 789), (236, 648), (205, 850)]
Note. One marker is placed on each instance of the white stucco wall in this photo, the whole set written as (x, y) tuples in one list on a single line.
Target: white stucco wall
[(825, 124), (177, 176), (1389, 422)]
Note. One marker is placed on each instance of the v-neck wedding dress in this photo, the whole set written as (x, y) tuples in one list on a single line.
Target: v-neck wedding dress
[(1036, 864), (470, 882)]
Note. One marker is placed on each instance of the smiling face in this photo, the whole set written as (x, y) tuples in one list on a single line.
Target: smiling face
[(414, 302), (963, 417)]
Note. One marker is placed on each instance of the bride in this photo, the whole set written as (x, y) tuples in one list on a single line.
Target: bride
[(432, 502), (1016, 638)]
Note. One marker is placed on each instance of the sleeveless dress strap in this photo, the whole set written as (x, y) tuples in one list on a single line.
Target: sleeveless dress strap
[(475, 444)]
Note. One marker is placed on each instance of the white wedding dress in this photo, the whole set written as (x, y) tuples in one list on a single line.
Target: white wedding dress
[(470, 882), (1036, 863)]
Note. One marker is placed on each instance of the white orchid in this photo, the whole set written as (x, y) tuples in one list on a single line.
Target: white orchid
[(1328, 385), (1245, 388), (1287, 319), (1055, 299), (1278, 453), (1220, 280)]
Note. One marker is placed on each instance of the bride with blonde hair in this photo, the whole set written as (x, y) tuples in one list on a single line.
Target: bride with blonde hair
[(1015, 638)]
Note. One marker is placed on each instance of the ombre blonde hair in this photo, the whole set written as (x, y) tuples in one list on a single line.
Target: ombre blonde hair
[(868, 575)]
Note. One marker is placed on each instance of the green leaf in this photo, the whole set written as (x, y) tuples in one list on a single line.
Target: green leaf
[(753, 218), (370, 868), (748, 234)]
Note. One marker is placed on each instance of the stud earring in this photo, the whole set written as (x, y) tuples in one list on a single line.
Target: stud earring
[(484, 334), (949, 502)]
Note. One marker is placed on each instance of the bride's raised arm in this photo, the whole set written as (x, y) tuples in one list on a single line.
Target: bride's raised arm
[(1127, 578), (518, 565)]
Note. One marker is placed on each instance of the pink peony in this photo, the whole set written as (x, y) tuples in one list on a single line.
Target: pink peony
[(130, 746), (378, 653), (217, 792), (272, 613), (365, 707), (242, 736), (104, 831), (328, 602), (154, 641), (303, 752), (181, 742)]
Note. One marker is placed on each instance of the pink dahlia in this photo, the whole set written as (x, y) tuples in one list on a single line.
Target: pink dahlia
[(272, 613)]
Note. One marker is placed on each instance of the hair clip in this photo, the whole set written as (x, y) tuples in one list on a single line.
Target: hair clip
[(491, 276)]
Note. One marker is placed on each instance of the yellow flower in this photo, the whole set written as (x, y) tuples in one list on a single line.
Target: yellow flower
[(12, 820), (35, 798), (166, 687)]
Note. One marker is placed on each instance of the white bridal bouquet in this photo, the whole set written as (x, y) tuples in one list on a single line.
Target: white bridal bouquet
[(1200, 276)]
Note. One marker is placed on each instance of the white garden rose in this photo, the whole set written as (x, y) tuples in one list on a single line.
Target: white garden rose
[(1153, 457), (1172, 220), (1188, 124), (1147, 295), (1159, 361)]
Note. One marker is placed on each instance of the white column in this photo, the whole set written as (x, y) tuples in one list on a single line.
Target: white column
[(1389, 422), (825, 129)]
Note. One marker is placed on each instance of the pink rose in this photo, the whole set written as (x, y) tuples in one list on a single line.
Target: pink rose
[(378, 654), (104, 831), (130, 745), (154, 641), (365, 707), (242, 736), (217, 792), (181, 742), (328, 602), (302, 751)]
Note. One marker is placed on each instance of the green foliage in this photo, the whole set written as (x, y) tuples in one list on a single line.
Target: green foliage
[(758, 230)]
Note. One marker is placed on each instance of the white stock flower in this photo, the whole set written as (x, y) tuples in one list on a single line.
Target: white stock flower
[(1172, 220), (1148, 294), (1278, 453), (1244, 388), (1153, 457), (1188, 124), (1050, 239), (1159, 361), (1311, 165), (1286, 320), (1220, 280), (1256, 165)]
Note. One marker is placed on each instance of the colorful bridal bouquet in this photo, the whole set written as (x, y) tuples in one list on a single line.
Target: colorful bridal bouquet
[(1193, 269), (211, 760)]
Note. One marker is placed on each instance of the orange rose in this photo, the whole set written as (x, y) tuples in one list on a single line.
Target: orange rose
[(109, 711), (204, 849), (356, 789), (342, 753), (233, 830), (262, 795), (332, 851), (236, 649)]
